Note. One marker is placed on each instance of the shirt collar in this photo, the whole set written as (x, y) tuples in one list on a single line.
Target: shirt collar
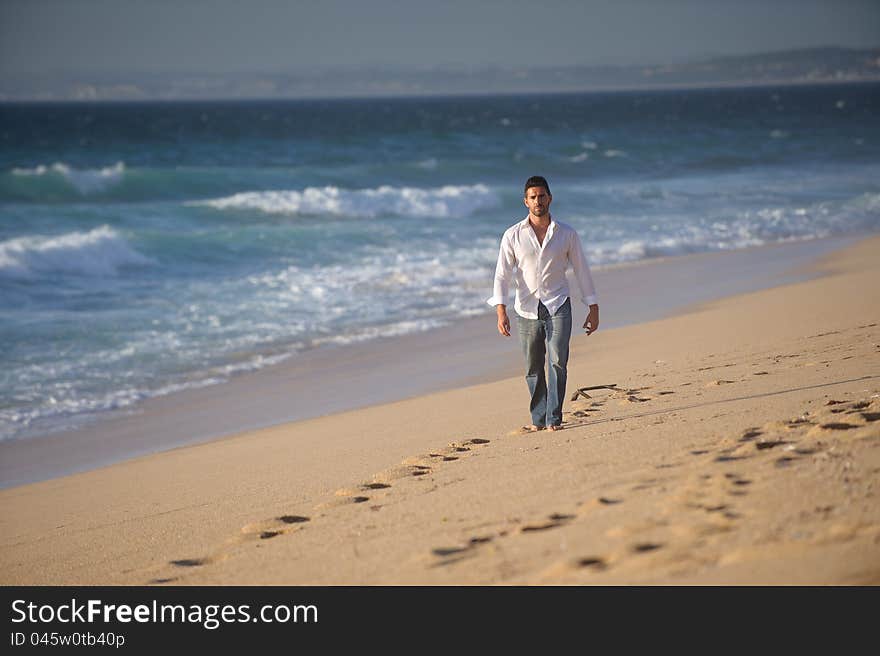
[(524, 224)]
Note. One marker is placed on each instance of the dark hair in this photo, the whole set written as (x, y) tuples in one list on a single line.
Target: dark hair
[(536, 181)]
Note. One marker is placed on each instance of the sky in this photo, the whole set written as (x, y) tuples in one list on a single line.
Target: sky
[(168, 37)]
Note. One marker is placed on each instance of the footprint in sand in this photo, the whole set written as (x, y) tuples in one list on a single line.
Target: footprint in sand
[(589, 564), (729, 458), (344, 497), (625, 397), (449, 551), (590, 505), (556, 520), (396, 473), (595, 563), (465, 446), (736, 479), (190, 562), (750, 433), (350, 496), (264, 530), (645, 547), (268, 529), (443, 457), (197, 562), (272, 528), (418, 466), (770, 444), (450, 555)]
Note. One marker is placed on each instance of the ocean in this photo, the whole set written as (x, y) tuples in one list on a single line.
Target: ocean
[(147, 248)]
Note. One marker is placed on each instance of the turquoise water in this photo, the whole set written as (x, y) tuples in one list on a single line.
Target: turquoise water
[(147, 248)]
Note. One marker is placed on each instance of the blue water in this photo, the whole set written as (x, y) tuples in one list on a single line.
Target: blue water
[(147, 248)]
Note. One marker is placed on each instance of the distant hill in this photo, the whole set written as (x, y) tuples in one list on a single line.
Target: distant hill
[(809, 65), (814, 65)]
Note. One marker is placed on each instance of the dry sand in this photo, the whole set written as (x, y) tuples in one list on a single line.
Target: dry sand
[(741, 446)]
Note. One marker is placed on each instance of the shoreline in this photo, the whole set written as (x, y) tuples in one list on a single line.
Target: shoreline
[(740, 446), (387, 370)]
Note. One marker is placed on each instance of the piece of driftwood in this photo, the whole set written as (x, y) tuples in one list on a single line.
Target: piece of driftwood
[(582, 391)]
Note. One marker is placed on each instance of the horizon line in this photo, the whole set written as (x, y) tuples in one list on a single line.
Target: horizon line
[(684, 86)]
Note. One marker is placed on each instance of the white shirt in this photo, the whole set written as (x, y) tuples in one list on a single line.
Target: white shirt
[(538, 270)]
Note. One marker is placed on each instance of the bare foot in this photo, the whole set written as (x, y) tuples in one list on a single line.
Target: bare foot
[(555, 427)]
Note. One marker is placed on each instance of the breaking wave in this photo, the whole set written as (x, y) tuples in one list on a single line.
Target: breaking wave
[(99, 252), (447, 201)]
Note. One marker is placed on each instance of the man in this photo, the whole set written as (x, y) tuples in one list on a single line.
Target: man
[(535, 253)]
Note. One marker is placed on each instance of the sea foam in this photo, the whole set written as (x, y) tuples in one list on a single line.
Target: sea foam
[(99, 252), (85, 181), (447, 201)]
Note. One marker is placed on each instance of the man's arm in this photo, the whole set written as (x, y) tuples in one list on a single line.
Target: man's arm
[(585, 282), (501, 285)]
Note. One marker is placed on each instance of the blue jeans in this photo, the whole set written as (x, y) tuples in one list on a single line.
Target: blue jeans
[(546, 339)]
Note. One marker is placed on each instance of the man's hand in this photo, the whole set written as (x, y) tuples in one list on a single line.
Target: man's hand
[(591, 325), (503, 321)]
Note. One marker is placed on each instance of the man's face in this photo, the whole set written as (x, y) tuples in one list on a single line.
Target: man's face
[(538, 201)]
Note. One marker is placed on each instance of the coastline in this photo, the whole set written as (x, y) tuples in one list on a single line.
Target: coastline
[(387, 370), (740, 447)]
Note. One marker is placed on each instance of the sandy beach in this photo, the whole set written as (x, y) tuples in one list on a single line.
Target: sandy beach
[(738, 443)]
